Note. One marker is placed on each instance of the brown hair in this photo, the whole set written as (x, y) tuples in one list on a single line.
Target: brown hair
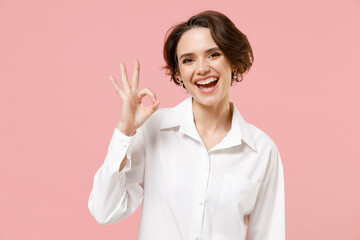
[(233, 43)]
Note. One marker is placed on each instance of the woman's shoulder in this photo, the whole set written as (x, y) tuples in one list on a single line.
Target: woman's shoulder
[(254, 135), (158, 115), (262, 139), (154, 121), (168, 115)]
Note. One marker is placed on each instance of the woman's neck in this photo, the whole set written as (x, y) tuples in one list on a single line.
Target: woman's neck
[(210, 119)]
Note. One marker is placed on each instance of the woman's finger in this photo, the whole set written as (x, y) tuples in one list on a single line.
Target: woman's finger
[(124, 79), (135, 79), (146, 91), (116, 86), (149, 110), (155, 105)]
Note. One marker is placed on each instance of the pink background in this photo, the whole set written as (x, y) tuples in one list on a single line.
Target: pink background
[(58, 108)]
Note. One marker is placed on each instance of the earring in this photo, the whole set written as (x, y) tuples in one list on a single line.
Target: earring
[(234, 74), (181, 83)]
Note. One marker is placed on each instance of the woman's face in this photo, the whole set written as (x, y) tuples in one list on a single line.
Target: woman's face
[(203, 68)]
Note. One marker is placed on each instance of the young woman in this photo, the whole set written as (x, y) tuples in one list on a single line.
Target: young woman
[(199, 169)]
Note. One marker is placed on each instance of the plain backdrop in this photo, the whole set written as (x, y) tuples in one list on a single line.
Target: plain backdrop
[(59, 109)]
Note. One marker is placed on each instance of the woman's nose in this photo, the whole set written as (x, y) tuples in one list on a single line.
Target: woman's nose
[(202, 67)]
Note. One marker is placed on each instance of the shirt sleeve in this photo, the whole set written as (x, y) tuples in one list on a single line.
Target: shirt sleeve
[(267, 220), (117, 194)]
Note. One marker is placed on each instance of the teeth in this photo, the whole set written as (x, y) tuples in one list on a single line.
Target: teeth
[(207, 81)]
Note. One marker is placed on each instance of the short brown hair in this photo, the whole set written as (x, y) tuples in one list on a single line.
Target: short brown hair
[(231, 41)]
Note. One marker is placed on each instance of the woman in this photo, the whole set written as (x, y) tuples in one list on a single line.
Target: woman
[(199, 169)]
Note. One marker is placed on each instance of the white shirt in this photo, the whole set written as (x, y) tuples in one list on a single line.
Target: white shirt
[(188, 192)]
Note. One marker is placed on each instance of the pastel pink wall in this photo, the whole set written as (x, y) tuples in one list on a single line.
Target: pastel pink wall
[(58, 108)]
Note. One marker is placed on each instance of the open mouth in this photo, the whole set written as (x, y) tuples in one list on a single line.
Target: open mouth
[(207, 84)]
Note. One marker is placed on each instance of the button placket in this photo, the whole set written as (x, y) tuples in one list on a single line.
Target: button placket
[(201, 196)]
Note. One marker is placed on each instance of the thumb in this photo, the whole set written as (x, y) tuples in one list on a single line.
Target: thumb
[(155, 106), (149, 110)]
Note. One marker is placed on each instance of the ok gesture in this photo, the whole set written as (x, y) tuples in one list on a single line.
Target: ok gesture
[(133, 113)]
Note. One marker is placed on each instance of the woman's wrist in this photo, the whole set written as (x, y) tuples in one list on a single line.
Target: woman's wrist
[(125, 130)]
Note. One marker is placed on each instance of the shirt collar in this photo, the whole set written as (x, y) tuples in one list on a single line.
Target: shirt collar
[(182, 115)]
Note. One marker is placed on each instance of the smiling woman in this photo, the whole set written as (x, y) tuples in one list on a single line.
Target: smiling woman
[(203, 69), (199, 169), (229, 39)]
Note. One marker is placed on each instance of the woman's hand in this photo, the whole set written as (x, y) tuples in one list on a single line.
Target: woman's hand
[(133, 113)]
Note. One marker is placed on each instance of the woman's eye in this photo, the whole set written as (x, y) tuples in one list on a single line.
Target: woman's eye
[(215, 54), (187, 60)]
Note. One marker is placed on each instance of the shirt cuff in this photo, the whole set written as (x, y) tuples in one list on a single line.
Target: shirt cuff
[(118, 148)]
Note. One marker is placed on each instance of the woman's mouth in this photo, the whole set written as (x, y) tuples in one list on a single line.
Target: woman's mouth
[(208, 85)]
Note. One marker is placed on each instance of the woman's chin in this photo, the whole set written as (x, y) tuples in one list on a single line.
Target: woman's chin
[(209, 101)]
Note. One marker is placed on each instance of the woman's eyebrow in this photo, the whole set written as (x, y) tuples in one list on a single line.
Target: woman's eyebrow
[(207, 51)]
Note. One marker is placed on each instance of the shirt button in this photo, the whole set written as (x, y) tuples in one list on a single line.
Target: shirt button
[(124, 144), (201, 203), (196, 236), (204, 168)]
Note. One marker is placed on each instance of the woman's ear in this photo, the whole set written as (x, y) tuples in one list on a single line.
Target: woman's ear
[(233, 67), (178, 75)]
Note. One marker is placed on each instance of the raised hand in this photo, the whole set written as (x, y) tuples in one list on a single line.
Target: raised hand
[(133, 113)]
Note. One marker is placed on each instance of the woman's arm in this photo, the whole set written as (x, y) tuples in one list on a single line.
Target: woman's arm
[(267, 220), (118, 184), (117, 194)]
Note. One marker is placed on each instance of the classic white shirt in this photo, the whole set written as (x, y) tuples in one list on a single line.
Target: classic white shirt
[(188, 192)]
